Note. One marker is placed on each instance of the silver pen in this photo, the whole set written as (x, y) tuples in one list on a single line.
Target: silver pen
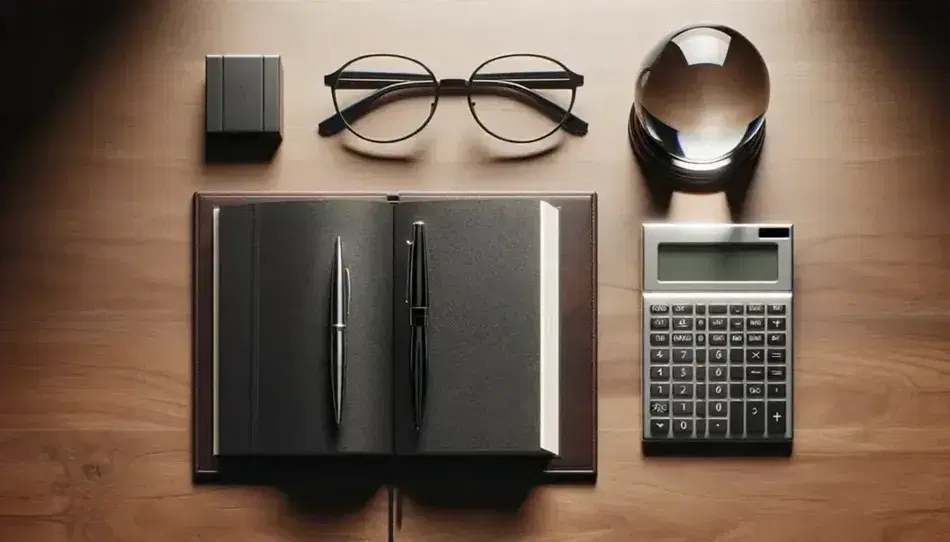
[(339, 311)]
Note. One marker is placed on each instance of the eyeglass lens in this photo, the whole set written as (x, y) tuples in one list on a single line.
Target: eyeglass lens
[(385, 98)]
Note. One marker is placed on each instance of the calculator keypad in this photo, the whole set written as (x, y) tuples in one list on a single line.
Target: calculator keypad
[(718, 371)]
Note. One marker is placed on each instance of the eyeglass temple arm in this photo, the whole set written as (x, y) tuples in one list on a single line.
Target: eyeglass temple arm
[(520, 84)]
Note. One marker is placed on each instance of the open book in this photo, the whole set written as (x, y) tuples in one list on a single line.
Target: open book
[(358, 326)]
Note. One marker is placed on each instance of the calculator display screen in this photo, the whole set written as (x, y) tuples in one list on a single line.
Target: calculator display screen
[(717, 262)]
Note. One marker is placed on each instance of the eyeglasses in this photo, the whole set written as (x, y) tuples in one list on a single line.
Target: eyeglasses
[(544, 88)]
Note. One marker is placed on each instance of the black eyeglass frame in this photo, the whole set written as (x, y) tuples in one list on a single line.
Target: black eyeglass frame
[(521, 85)]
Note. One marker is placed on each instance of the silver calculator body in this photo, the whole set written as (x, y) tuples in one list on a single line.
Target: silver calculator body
[(728, 381)]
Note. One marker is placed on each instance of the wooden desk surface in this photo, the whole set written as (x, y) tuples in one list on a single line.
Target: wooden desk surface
[(95, 338)]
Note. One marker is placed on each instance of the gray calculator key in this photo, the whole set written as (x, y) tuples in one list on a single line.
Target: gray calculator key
[(755, 374), (718, 373), (776, 374), (682, 324), (660, 323), (660, 428), (775, 339), (775, 355), (683, 373), (659, 391), (736, 339), (683, 310), (717, 339), (718, 355), (736, 324), (736, 355), (659, 355), (755, 308), (660, 372), (700, 339), (755, 391), (755, 418), (718, 391), (776, 308), (776, 324), (718, 409), (700, 324), (682, 339), (683, 428), (717, 428), (682, 355), (682, 408), (659, 408), (717, 309), (659, 339), (755, 355), (776, 391), (755, 339), (755, 324), (682, 391), (718, 324), (659, 309)]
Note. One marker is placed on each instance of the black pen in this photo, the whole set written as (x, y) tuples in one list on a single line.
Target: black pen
[(418, 299), (339, 310)]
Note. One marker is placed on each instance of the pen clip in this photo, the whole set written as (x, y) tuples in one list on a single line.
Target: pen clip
[(348, 294), (409, 269)]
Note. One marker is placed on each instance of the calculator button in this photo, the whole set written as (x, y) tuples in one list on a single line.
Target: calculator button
[(776, 309), (717, 374), (701, 391), (755, 324), (700, 310), (683, 373), (775, 339), (736, 372), (682, 310), (659, 355), (736, 309), (700, 409), (718, 409), (755, 418), (718, 391), (700, 324), (682, 355), (776, 356), (718, 355), (700, 339), (736, 339), (660, 428), (777, 423), (717, 309), (717, 428), (776, 374), (752, 374), (755, 356), (735, 419), (661, 372), (683, 391), (755, 308), (718, 324), (700, 428), (717, 339), (776, 391), (659, 339), (736, 391), (700, 374), (776, 324), (659, 391), (659, 309), (700, 354), (659, 408), (755, 391), (683, 428), (682, 339), (736, 355), (682, 324), (661, 323), (736, 324), (755, 339), (682, 408)]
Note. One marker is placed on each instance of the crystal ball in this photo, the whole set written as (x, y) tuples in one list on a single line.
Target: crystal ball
[(701, 97)]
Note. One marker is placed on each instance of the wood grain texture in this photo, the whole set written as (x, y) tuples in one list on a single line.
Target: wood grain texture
[(95, 276)]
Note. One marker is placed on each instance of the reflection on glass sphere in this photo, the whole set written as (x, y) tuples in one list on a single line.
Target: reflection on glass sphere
[(701, 98)]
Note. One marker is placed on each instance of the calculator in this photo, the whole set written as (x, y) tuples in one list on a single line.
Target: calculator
[(717, 337)]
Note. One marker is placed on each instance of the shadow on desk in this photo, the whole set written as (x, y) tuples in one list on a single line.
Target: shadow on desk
[(321, 488)]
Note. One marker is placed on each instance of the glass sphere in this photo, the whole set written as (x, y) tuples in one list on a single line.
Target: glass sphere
[(701, 99)]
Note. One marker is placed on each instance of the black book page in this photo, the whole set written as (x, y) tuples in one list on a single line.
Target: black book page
[(483, 333), (276, 354)]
